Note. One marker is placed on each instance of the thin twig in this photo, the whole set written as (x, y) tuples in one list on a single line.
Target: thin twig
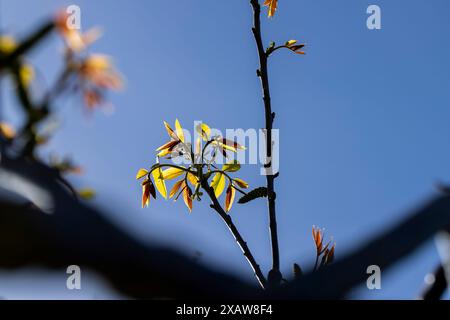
[(237, 236), (275, 275)]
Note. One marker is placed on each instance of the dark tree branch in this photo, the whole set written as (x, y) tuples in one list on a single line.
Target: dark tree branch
[(386, 249), (237, 236), (78, 234), (275, 274), (27, 44), (436, 289)]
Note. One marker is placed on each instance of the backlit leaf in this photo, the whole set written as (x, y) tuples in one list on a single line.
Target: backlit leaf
[(290, 43), (187, 193), (170, 131), (229, 199), (204, 131), (141, 173), (145, 193), (179, 130), (232, 144), (232, 166), (192, 179), (218, 184), (168, 145), (175, 188), (172, 173), (241, 183), (159, 182), (272, 6)]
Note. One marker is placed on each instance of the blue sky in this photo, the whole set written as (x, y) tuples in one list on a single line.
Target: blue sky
[(363, 119)]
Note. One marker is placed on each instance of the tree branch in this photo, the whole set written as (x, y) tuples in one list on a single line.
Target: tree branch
[(436, 289), (335, 281), (237, 236), (76, 233), (275, 274)]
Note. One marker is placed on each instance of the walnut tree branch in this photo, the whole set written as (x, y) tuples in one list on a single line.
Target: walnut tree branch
[(237, 236), (275, 274)]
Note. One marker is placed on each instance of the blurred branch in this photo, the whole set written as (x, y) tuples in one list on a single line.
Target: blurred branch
[(386, 249), (78, 234), (27, 44), (435, 289)]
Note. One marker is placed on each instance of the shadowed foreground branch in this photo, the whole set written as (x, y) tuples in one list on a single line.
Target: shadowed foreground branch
[(76, 233)]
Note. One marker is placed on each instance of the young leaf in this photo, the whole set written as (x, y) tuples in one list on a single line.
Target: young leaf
[(141, 173), (241, 183), (330, 255), (192, 179), (318, 238), (175, 188), (254, 194), (204, 131), (179, 130), (187, 193), (232, 166), (172, 173), (152, 189), (290, 43), (145, 193), (232, 145), (229, 199), (218, 184), (170, 131), (272, 4), (159, 182), (169, 145)]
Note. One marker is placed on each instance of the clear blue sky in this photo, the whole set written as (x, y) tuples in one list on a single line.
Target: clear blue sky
[(364, 119)]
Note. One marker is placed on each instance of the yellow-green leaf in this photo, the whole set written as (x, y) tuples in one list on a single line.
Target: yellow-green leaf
[(192, 179), (241, 183), (290, 43), (204, 131), (163, 153), (179, 130), (218, 184), (159, 182), (232, 166), (228, 147), (172, 173), (141, 173)]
